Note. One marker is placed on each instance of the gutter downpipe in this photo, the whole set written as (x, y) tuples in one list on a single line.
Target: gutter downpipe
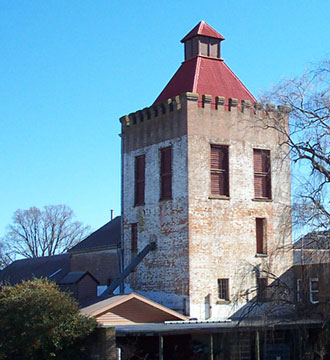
[(121, 250)]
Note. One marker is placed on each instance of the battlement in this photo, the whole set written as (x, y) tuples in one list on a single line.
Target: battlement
[(183, 115), (177, 103)]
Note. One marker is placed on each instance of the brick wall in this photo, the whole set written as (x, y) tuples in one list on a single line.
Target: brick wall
[(201, 239), (86, 288), (321, 272), (222, 232), (103, 264), (163, 274)]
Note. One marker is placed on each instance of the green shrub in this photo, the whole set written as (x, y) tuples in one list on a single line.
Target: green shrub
[(38, 321)]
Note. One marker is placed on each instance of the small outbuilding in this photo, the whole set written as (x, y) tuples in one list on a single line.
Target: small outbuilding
[(130, 309)]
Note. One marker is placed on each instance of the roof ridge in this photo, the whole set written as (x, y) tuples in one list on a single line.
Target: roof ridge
[(197, 72), (203, 29), (231, 71), (205, 75)]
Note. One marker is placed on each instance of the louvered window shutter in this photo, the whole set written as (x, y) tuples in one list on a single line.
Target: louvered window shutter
[(262, 175), (166, 173), (139, 179), (219, 170), (261, 235), (134, 238)]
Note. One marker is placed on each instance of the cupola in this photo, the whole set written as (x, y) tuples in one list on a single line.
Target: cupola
[(202, 40), (203, 71)]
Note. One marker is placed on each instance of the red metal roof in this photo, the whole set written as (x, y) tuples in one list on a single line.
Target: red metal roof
[(203, 29), (204, 75)]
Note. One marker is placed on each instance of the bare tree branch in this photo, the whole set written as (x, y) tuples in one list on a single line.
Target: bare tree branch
[(46, 232), (308, 137), (5, 256)]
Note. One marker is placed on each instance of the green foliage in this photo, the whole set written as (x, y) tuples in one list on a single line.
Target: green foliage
[(37, 321)]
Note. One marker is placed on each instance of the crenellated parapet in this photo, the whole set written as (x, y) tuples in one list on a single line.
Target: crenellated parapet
[(153, 112), (176, 104), (169, 119)]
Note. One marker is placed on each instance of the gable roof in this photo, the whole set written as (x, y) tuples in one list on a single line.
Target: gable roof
[(52, 267), (74, 277), (204, 75), (130, 308), (203, 29), (316, 240), (104, 237)]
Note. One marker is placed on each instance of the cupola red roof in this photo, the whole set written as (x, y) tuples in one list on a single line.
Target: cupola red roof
[(204, 73), (203, 29)]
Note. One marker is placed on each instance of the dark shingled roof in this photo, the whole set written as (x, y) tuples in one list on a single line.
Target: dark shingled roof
[(74, 276), (53, 267), (106, 236), (316, 240)]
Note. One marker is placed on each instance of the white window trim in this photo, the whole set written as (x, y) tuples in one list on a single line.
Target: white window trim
[(311, 292), (299, 299)]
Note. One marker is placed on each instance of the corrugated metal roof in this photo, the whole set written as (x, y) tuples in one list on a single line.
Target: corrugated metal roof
[(204, 75), (202, 28), (184, 328), (106, 236)]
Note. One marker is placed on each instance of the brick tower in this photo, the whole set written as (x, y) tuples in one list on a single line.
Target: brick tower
[(208, 185)]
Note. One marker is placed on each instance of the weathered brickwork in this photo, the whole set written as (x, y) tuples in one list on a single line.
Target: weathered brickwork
[(164, 271), (201, 238), (222, 232), (102, 264)]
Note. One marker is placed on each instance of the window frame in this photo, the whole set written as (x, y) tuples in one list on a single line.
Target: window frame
[(139, 181), (168, 174), (224, 171), (312, 291), (223, 289), (261, 237), (134, 239), (265, 176)]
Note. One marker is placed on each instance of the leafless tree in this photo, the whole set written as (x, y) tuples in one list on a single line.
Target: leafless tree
[(5, 255), (46, 232), (308, 137)]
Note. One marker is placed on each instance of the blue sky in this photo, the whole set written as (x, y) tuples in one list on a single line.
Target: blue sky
[(70, 69)]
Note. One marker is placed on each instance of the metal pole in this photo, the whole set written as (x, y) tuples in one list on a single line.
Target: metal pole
[(211, 347), (161, 347), (258, 345)]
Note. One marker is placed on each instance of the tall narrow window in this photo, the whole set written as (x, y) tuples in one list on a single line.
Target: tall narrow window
[(262, 176), (139, 179), (166, 173), (219, 170), (134, 245), (261, 289), (314, 290), (223, 289), (261, 236)]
